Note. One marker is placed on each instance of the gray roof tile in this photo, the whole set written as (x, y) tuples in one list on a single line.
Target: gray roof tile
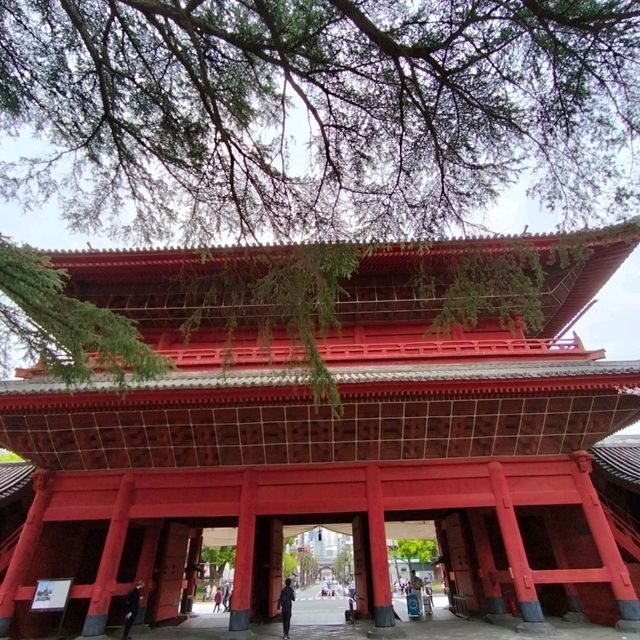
[(13, 477), (619, 456), (344, 375)]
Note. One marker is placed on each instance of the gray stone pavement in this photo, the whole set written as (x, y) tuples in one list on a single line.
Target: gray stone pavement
[(453, 629), (442, 626)]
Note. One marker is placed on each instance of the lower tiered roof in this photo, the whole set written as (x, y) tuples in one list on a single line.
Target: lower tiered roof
[(394, 412)]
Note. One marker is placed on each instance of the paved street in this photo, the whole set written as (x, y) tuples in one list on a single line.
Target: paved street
[(316, 618), (311, 608)]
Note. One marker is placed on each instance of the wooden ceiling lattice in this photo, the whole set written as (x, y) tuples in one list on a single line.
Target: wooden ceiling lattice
[(209, 436), (364, 300)]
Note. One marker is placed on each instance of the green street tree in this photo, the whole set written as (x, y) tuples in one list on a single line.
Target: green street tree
[(195, 120), (289, 559), (9, 456), (421, 550), (343, 565), (218, 558), (289, 564), (308, 568)]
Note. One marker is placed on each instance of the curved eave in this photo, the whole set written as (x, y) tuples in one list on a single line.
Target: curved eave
[(404, 252), (598, 269), (384, 381), (14, 477), (619, 458)]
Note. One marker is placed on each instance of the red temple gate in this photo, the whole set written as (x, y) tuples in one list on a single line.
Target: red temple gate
[(483, 431)]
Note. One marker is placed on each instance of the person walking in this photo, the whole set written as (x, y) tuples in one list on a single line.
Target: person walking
[(217, 599), (416, 587), (226, 594), (133, 606), (285, 602)]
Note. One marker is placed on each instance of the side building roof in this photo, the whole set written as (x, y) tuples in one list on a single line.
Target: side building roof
[(619, 456), (14, 476)]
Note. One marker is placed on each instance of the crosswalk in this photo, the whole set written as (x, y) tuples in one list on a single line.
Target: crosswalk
[(322, 598)]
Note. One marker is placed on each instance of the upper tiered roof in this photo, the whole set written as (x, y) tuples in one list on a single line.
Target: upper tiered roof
[(148, 284)]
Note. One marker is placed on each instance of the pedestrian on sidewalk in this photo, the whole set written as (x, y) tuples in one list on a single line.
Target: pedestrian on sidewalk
[(416, 587), (285, 602), (217, 599), (226, 597), (133, 606)]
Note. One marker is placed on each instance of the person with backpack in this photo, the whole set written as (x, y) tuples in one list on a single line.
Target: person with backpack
[(285, 603)]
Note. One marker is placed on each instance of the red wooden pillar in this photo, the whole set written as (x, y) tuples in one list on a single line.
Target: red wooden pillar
[(23, 554), (382, 604), (494, 601), (554, 525), (96, 620), (621, 584), (532, 617), (360, 570), (243, 574), (275, 565), (146, 564)]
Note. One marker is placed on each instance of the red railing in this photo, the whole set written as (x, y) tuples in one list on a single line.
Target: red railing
[(206, 357), (366, 352), (626, 529), (7, 547)]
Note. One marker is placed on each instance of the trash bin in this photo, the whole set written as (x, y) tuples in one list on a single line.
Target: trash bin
[(413, 605)]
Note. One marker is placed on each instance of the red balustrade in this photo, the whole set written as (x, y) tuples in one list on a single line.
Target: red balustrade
[(337, 354), (190, 356)]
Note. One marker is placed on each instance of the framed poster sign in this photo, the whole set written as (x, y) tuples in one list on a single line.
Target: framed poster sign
[(51, 594)]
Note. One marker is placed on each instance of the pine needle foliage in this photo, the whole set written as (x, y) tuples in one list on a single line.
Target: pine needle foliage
[(60, 332), (505, 286), (335, 119), (301, 294), (297, 291)]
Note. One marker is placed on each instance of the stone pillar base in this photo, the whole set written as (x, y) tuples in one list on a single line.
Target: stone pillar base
[(537, 628), (628, 626), (239, 620), (385, 633), (383, 616), (5, 623), (495, 606), (629, 609), (94, 625)]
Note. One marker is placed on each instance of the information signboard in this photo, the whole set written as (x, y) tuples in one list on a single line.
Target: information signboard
[(51, 594)]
